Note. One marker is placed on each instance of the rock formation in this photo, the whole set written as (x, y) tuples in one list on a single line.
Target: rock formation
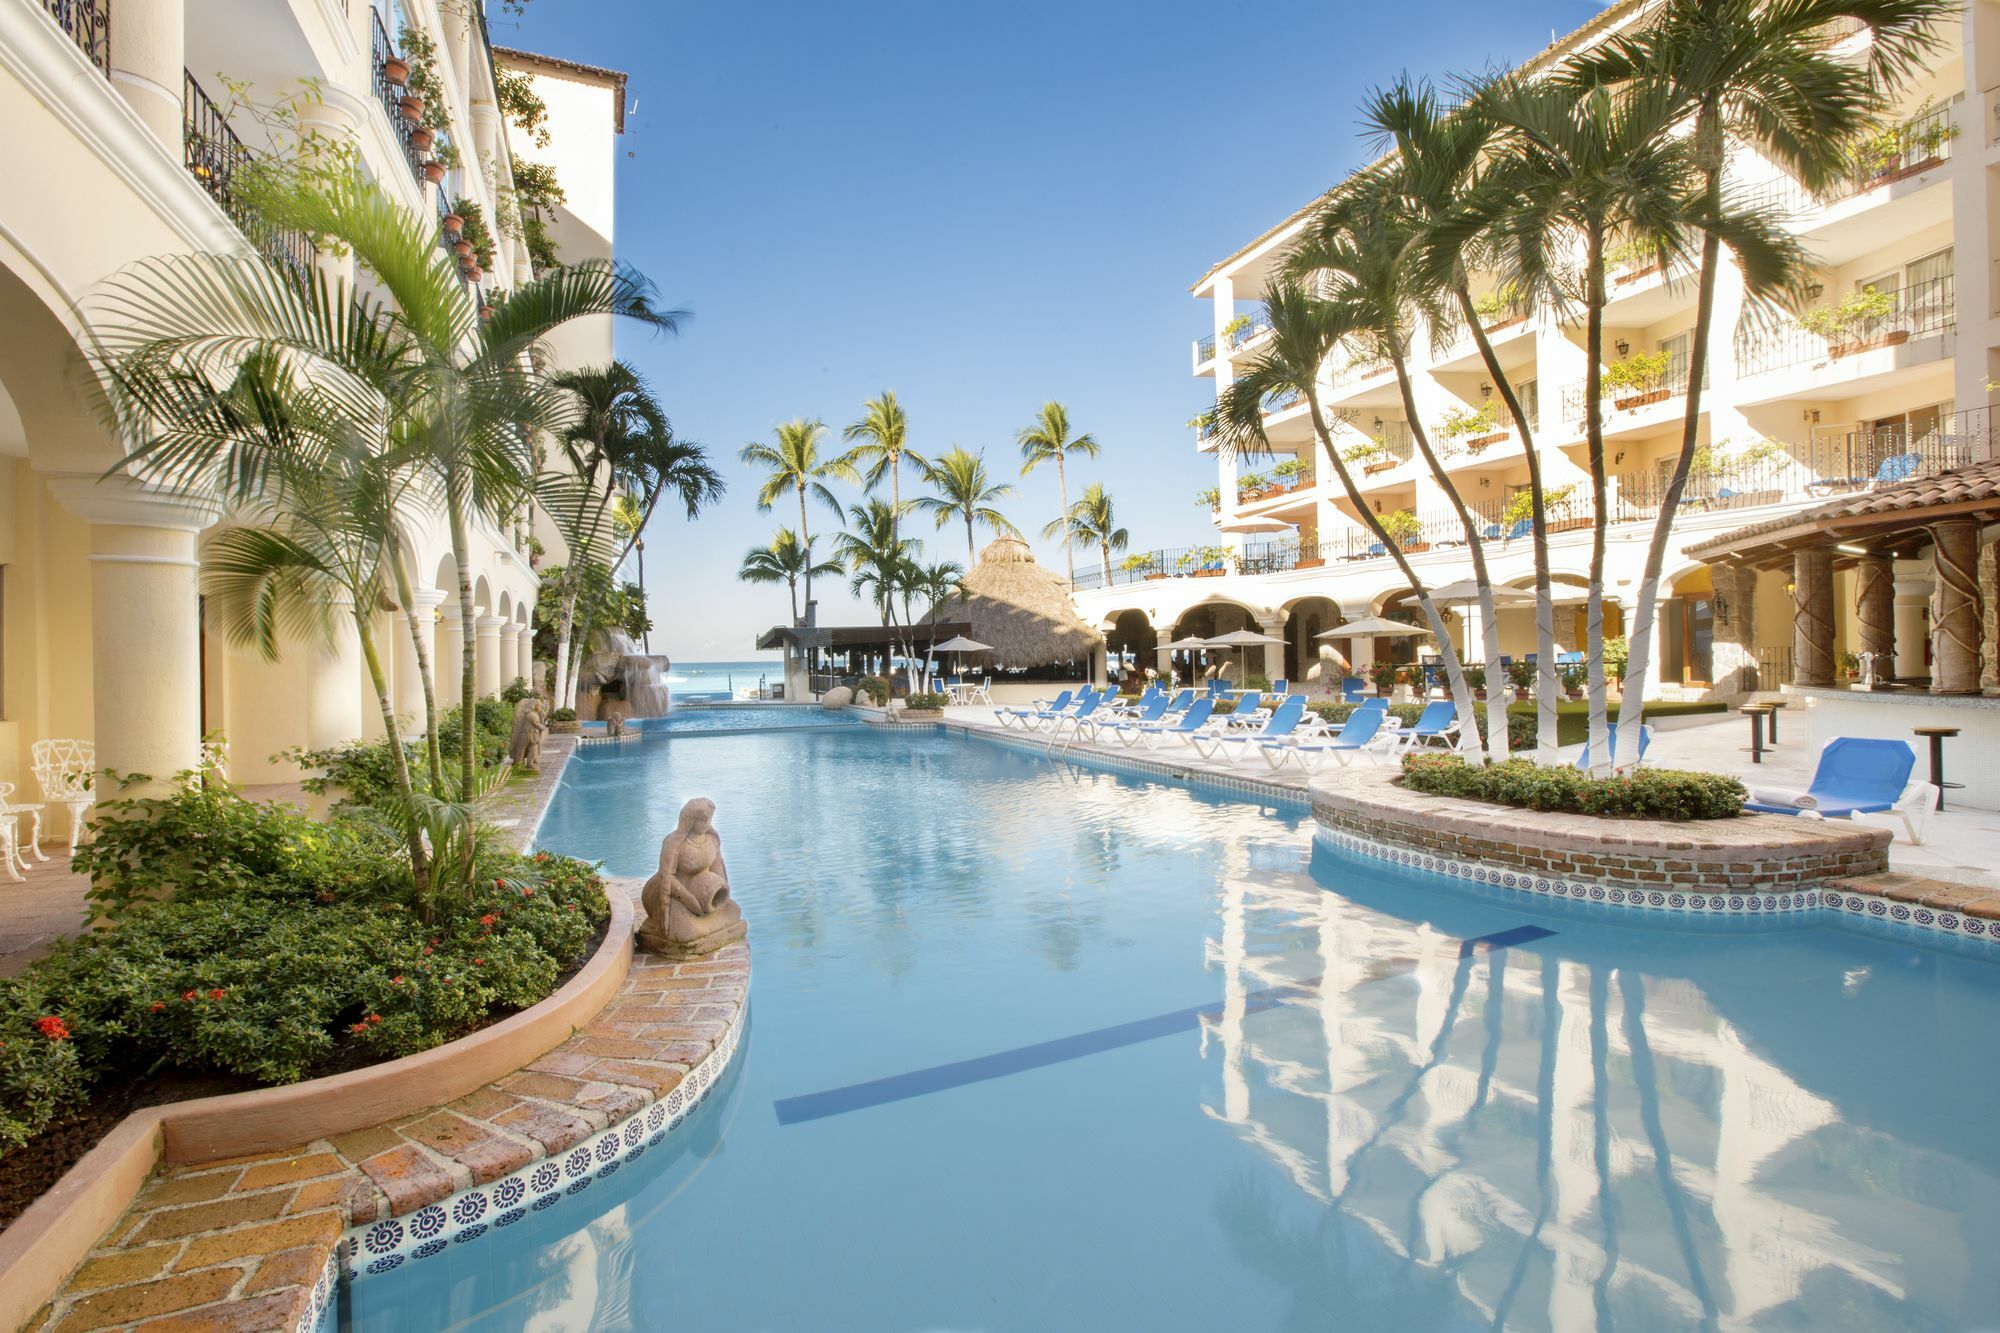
[(531, 722), (836, 698), (689, 910)]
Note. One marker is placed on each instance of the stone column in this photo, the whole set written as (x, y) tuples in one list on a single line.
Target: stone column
[(1274, 653), (409, 679), (334, 682), (448, 664), (524, 653), (1989, 605), (1361, 652), (149, 64), (1812, 615), (1875, 604), (1735, 648), (1913, 595), (145, 623), (510, 653), (486, 656), (1955, 614)]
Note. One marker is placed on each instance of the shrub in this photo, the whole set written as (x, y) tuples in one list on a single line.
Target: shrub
[(563, 715), (1641, 372), (930, 700), (364, 772), (1646, 793), (517, 690), (875, 687), (1258, 683)]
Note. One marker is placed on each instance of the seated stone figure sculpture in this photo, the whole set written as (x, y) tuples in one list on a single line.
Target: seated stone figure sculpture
[(689, 910), (531, 722)]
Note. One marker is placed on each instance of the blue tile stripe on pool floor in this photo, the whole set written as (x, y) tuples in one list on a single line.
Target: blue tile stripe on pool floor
[(957, 1074)]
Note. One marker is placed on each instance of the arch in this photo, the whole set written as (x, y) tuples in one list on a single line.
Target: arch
[(506, 608), (1131, 631), (1306, 618), (446, 578), (39, 360), (482, 594)]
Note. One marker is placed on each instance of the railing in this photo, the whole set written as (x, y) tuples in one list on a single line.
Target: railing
[(1673, 384), (1921, 310), (1919, 142), (1461, 445), (1260, 323), (381, 51), (1774, 668), (1282, 401), (1204, 350), (1836, 32), (88, 23), (1358, 369), (214, 157)]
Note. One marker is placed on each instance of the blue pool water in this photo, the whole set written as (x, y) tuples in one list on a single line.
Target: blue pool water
[(1241, 1081), (745, 717)]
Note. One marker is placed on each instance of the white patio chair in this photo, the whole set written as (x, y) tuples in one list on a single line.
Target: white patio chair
[(67, 772), (10, 815)]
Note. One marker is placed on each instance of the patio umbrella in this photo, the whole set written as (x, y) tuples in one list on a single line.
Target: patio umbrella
[(1242, 638), (1369, 627), (958, 643), (1188, 643), (1466, 592)]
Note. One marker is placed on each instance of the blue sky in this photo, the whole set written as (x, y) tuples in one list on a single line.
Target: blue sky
[(981, 207)]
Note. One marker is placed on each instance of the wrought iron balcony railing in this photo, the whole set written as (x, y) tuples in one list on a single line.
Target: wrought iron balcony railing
[(216, 158), (1920, 310), (88, 23), (390, 95)]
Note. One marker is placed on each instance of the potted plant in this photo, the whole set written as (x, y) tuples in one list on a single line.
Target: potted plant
[(1293, 473), (563, 722), (454, 223), (1475, 677), (922, 708), (434, 172), (1637, 380), (1212, 497), (1232, 328), (1403, 528), (1142, 564), (1631, 261), (1372, 454), (395, 70), (1250, 486), (535, 551), (422, 137), (411, 109), (1385, 676), (1499, 307), (1846, 325), (1206, 562), (1478, 427)]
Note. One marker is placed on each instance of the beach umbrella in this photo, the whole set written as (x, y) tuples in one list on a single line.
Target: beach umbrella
[(1466, 593), (1369, 627), (1243, 639), (958, 643), (1188, 643)]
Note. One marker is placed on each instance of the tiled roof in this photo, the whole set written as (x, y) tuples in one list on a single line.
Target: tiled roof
[(1972, 486)]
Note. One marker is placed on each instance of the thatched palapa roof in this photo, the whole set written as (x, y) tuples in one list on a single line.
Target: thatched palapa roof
[(1022, 609)]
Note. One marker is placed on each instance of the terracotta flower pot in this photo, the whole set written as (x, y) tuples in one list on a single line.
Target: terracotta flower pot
[(486, 312), (412, 109), (434, 172), (452, 222), (461, 248), (566, 727), (422, 137), (396, 71), (1638, 400), (474, 272)]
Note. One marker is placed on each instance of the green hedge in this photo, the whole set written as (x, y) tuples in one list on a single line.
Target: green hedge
[(1573, 716), (250, 940), (1646, 793)]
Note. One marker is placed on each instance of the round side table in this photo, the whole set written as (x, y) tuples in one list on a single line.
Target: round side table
[(1937, 737), (1757, 713)]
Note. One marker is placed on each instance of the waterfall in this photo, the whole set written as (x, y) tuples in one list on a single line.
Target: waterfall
[(645, 685)]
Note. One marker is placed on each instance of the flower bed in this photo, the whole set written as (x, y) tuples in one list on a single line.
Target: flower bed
[(1646, 793), (252, 946)]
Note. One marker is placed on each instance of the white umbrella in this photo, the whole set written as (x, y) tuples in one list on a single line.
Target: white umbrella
[(1466, 592), (958, 643), (1242, 638), (1369, 627)]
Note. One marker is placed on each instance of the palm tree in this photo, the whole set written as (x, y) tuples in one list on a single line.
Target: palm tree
[(452, 396), (613, 409), (1573, 168), (965, 490), (1049, 440), (871, 542), (1305, 329), (660, 465), (1761, 75), (1439, 155), (794, 464), (1360, 245), (880, 441), (783, 561), (1090, 523)]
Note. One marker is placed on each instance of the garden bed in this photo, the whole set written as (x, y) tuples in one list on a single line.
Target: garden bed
[(1672, 795)]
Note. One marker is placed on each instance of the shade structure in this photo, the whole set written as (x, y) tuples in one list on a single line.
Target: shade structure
[(1187, 643), (1369, 627), (1022, 610), (1241, 638), (960, 644), (1466, 590)]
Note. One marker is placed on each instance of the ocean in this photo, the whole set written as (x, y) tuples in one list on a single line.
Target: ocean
[(721, 680)]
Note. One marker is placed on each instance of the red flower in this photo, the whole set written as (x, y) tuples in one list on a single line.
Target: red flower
[(359, 1027), (499, 883), (427, 949), (527, 893), (488, 920), (158, 1005), (187, 995), (52, 1027), (395, 981), (217, 993), (479, 962)]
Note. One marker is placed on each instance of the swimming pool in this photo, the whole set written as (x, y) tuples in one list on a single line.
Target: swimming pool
[(745, 717), (1035, 1046)]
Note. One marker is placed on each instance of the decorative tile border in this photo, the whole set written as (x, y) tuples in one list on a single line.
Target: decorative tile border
[(1845, 908), (462, 1218), (319, 1315)]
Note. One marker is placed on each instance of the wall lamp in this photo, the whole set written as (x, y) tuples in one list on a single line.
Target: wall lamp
[(1623, 347)]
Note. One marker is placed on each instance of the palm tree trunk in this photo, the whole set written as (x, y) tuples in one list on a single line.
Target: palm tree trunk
[(406, 594), (646, 635), (399, 758), (1546, 676), (1454, 670), (565, 684), (792, 586), (1639, 658), (1468, 736), (461, 554), (1104, 552), (1593, 412), (969, 556), (1062, 495)]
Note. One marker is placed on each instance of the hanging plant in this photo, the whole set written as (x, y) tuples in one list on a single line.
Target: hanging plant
[(474, 231)]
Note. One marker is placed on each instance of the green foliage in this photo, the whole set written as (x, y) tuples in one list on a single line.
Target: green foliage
[(1402, 526), (1842, 319), (1386, 674), (275, 974), (1367, 451), (1641, 372), (1235, 326), (517, 690), (1200, 557), (1292, 469), (1259, 683), (420, 52), (1211, 498), (927, 700), (1141, 563), (1629, 255), (1502, 302), (1645, 793), (875, 687), (1522, 674), (1459, 422), (1251, 481), (363, 773), (1520, 727), (563, 715), (515, 91), (1475, 675), (1522, 503), (475, 231), (1616, 653)]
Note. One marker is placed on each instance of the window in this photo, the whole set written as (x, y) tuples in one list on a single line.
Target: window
[(1530, 394)]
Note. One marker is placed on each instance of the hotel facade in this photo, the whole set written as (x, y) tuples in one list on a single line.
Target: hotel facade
[(1796, 416), (123, 135)]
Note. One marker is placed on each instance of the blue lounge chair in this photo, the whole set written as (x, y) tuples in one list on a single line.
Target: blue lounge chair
[(1188, 724), (1278, 687), (1086, 698), (1075, 719), (1181, 702), (1900, 468), (1010, 716), (1437, 725), (1857, 776), (1361, 734), (1284, 720), (1377, 704), (1152, 711), (1246, 713), (1353, 690), (1645, 743)]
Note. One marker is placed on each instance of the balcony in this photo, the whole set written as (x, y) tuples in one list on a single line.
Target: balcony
[(1856, 346), (1247, 328), (1630, 408), (88, 23), (1478, 434), (1880, 196), (216, 157), (382, 52)]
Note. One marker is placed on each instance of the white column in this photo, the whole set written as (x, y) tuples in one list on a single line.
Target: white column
[(525, 654), (510, 653), (334, 676), (1274, 653), (145, 622), (149, 64), (409, 678), (486, 656), (450, 653), (1361, 652), (1913, 597)]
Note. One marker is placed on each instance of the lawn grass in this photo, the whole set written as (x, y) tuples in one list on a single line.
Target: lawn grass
[(1573, 716)]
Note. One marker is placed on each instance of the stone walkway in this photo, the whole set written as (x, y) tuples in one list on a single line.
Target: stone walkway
[(39, 911)]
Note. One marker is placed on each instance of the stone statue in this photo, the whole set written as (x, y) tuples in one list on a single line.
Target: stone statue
[(689, 910), (531, 723), (614, 722)]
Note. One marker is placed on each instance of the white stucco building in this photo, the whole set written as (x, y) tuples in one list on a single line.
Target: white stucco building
[(1791, 419), (120, 137)]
